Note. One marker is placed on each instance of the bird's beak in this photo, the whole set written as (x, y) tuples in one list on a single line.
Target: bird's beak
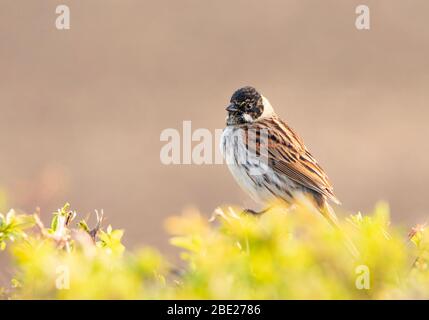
[(231, 108)]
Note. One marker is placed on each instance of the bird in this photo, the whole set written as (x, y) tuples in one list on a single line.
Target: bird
[(268, 159)]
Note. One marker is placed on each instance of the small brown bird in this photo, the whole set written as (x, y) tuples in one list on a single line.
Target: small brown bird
[(268, 159)]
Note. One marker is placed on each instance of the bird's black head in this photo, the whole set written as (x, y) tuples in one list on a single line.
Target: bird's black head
[(246, 106)]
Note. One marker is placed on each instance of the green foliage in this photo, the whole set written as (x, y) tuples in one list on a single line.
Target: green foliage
[(62, 262), (12, 227), (284, 254)]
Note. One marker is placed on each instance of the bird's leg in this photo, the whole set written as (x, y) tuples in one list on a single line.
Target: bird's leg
[(255, 213), (93, 233)]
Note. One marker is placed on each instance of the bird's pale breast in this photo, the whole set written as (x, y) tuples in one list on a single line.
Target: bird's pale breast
[(252, 173)]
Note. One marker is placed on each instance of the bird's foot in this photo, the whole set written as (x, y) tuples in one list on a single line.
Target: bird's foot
[(254, 213)]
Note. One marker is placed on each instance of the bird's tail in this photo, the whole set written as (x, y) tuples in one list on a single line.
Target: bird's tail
[(321, 206), (328, 212)]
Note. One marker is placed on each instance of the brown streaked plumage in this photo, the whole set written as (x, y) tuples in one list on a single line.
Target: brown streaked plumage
[(289, 156)]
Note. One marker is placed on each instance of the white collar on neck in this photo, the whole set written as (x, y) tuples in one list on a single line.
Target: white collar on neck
[(268, 109)]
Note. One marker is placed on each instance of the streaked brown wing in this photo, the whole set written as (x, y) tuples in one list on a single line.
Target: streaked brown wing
[(288, 155)]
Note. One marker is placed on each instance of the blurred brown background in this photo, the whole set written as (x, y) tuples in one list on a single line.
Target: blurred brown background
[(82, 110)]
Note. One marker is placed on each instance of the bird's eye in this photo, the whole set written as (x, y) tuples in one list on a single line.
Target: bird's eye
[(248, 107)]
